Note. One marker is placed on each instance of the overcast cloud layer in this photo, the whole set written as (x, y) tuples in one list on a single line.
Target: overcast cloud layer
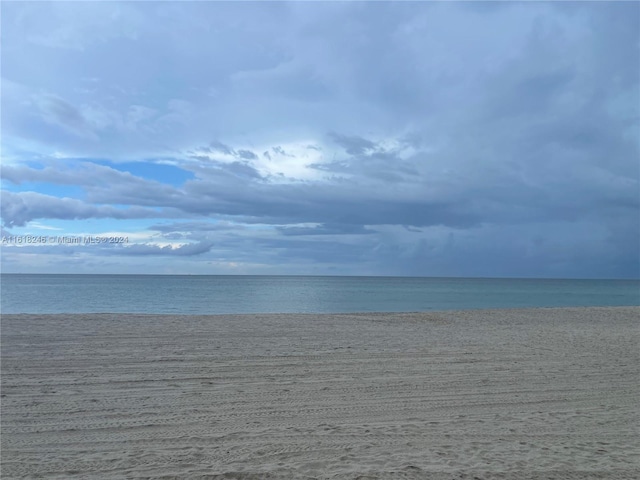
[(430, 139)]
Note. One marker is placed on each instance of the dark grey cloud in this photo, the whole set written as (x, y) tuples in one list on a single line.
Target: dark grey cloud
[(324, 229), (247, 154), (221, 147), (182, 227), (19, 208), (353, 144), (376, 164), (79, 173), (217, 172), (56, 110), (529, 93), (279, 150)]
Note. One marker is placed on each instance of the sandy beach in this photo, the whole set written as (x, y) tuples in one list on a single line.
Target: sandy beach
[(522, 394)]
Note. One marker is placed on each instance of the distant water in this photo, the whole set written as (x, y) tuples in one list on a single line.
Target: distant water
[(25, 293)]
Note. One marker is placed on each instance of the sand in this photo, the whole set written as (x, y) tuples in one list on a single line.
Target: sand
[(513, 394)]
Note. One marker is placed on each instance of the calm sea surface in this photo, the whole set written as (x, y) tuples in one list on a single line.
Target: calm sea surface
[(260, 294)]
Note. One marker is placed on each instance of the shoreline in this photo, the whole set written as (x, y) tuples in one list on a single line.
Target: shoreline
[(359, 313), (540, 393)]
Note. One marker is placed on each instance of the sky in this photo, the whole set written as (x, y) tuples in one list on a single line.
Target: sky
[(450, 139)]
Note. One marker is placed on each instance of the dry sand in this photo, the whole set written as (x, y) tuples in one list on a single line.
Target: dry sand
[(521, 394)]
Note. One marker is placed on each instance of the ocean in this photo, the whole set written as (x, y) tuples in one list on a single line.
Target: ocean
[(195, 294)]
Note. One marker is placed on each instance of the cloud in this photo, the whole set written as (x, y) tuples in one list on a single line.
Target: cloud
[(353, 145), (405, 138), (57, 110), (221, 147), (19, 208), (185, 250), (182, 227), (102, 184), (247, 154), (324, 229)]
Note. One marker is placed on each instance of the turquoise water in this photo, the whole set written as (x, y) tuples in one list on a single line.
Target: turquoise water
[(26, 293)]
